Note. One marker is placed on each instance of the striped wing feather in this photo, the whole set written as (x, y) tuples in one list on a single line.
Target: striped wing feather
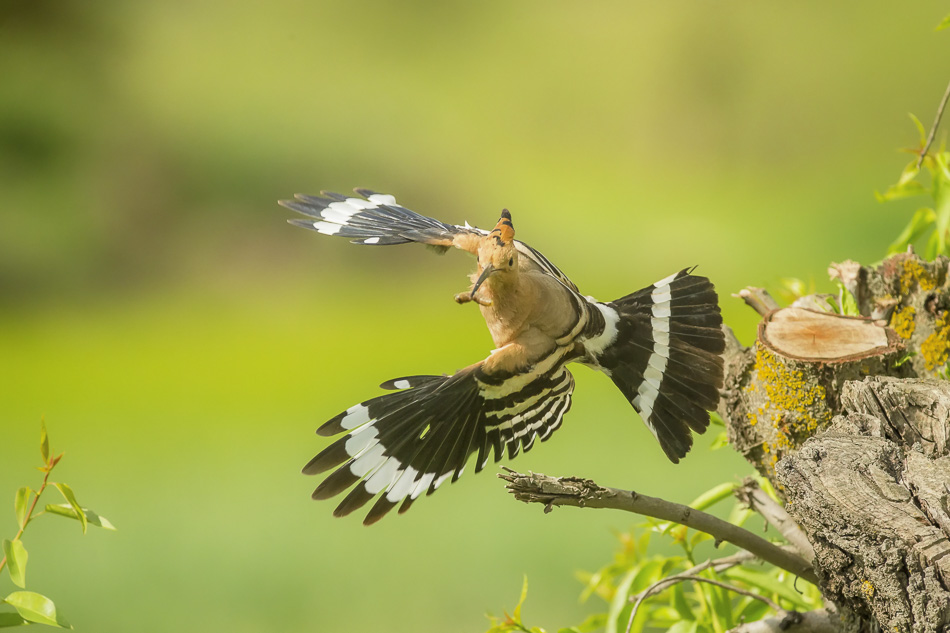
[(376, 219), (403, 444)]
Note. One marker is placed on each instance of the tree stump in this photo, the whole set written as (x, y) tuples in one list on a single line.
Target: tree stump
[(875, 507), (844, 416), (787, 387)]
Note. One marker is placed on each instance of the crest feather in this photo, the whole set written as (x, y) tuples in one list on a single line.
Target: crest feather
[(504, 231)]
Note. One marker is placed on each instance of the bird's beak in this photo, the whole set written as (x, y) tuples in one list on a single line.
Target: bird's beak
[(486, 272)]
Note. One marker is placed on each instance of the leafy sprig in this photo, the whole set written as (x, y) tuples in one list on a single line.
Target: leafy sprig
[(927, 175), (31, 607)]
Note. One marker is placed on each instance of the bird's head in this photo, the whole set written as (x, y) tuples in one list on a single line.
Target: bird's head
[(497, 255)]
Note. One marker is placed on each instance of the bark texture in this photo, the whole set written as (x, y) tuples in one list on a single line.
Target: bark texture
[(848, 418)]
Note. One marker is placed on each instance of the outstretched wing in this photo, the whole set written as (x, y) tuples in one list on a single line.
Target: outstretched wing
[(377, 219), (374, 219), (403, 444)]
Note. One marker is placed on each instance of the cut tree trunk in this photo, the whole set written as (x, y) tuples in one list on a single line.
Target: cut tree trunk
[(786, 388), (846, 416)]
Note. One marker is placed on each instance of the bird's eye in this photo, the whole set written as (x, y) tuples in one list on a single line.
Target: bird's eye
[(511, 262)]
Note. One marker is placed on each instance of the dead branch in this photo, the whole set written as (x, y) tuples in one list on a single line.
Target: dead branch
[(758, 299), (752, 495), (584, 493), (820, 621)]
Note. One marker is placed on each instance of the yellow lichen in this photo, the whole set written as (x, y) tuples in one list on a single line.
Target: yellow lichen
[(867, 589), (902, 321), (794, 406), (935, 349), (914, 273)]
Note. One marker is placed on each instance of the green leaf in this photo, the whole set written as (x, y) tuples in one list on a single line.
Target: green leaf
[(68, 494), (36, 608), (66, 510), (920, 130), (699, 537), (930, 251), (684, 626), (740, 514), (751, 610), (794, 287), (923, 220), (680, 603), (620, 601), (516, 616), (766, 486), (592, 623), (945, 23), (769, 584), (720, 605), (941, 195), (636, 580), (911, 170), (720, 441), (21, 503), (8, 620), (943, 164), (16, 561), (44, 442), (663, 617), (849, 306), (713, 496)]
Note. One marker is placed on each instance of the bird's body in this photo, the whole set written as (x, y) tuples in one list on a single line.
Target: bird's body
[(661, 346)]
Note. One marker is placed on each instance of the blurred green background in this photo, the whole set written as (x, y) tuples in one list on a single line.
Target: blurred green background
[(183, 342)]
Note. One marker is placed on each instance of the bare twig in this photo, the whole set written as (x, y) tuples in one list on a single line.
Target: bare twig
[(580, 493), (669, 581), (758, 299), (756, 498), (720, 565), (820, 621), (933, 128)]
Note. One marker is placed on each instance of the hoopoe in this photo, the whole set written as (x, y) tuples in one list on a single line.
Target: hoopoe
[(661, 346)]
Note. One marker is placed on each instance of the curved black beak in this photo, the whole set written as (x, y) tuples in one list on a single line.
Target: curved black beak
[(486, 272)]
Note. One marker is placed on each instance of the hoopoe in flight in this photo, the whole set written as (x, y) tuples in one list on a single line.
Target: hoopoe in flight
[(661, 346)]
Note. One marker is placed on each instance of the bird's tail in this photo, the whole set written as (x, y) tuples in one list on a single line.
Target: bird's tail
[(373, 219), (666, 356)]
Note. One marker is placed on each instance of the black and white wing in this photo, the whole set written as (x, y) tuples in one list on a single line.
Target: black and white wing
[(376, 219), (401, 445)]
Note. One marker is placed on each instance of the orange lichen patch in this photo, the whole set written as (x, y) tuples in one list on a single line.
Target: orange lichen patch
[(937, 346), (902, 321), (915, 274)]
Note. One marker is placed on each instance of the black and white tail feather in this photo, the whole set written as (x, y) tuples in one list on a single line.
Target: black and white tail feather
[(661, 346), (667, 357)]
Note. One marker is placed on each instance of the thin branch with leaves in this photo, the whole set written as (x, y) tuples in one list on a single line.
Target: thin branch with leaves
[(31, 607)]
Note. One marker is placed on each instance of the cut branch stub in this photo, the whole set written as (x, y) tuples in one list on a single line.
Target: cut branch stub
[(807, 335), (789, 384)]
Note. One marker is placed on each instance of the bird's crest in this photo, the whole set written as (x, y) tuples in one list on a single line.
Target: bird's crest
[(504, 231)]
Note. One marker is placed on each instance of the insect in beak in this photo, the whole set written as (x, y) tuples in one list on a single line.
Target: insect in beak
[(486, 272)]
